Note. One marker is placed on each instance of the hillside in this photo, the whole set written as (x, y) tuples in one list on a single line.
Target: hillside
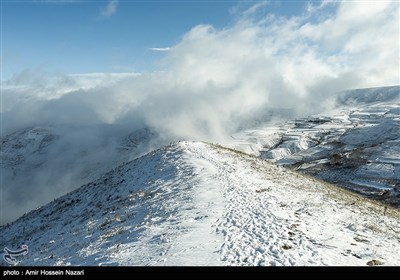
[(51, 160), (356, 145), (193, 203)]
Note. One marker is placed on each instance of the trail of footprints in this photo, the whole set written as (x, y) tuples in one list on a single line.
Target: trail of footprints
[(263, 227)]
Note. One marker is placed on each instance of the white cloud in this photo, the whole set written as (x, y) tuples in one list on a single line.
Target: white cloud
[(160, 49), (110, 9), (256, 8), (214, 78), (313, 7), (58, 1)]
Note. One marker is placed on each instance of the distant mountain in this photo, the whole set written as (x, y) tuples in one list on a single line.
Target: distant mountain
[(40, 163), (356, 145)]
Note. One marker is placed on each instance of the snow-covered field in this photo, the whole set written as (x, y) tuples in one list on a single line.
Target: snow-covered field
[(194, 203)]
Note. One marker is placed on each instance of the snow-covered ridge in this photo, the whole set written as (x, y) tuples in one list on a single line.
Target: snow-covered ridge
[(356, 145), (194, 203), (366, 96)]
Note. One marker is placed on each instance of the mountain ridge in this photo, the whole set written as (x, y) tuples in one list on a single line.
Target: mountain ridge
[(192, 203)]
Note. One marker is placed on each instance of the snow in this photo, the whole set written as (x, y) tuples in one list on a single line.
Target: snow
[(357, 141), (193, 203), (371, 184), (277, 217)]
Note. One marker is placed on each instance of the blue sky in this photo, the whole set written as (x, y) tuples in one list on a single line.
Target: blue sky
[(107, 36)]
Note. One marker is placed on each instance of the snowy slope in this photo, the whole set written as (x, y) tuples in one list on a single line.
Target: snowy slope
[(356, 145), (194, 203)]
